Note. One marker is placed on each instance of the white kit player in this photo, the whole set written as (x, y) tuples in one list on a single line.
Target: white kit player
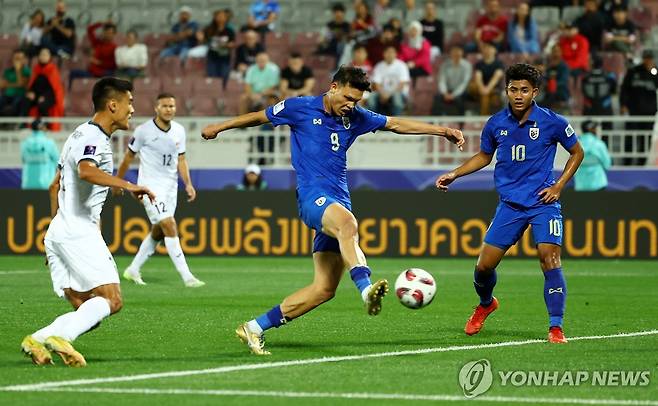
[(160, 143), (81, 266)]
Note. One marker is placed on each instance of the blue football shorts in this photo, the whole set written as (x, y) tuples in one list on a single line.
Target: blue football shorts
[(510, 221)]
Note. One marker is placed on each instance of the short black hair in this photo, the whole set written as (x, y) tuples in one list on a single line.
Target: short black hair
[(109, 26), (338, 7), (165, 95), (352, 76), (107, 88), (295, 54), (523, 71)]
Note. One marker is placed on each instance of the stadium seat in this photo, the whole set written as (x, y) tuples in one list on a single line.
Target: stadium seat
[(9, 41), (203, 106), (195, 68), (614, 62), (144, 102), (147, 85), (155, 41), (167, 67), (570, 13), (178, 86), (549, 16), (207, 87), (81, 88), (642, 17)]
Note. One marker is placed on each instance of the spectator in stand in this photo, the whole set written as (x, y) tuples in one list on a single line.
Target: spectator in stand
[(591, 175), (487, 82), (522, 33), (433, 29), (59, 33), (45, 93), (360, 58), (102, 62), (415, 51), (598, 86), (252, 179), (336, 33), (638, 98), (131, 59), (390, 80), (575, 49), (608, 7), (220, 40), (376, 45), (296, 78), (261, 85), (14, 84), (183, 35), (245, 54), (396, 24), (454, 76), (592, 24), (363, 26), (410, 12), (491, 27), (620, 34), (556, 82), (39, 156), (262, 16), (30, 38), (381, 12)]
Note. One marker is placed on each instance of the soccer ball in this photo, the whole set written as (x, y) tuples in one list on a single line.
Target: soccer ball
[(415, 288)]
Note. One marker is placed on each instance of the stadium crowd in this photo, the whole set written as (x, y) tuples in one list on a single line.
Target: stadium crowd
[(590, 51)]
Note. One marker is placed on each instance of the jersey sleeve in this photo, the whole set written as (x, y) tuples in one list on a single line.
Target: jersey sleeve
[(368, 121), (564, 133), (488, 142), (137, 140), (89, 148), (283, 112)]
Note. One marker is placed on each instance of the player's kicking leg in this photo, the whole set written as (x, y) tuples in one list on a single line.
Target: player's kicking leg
[(555, 289), (329, 268), (58, 336), (484, 281), (340, 223)]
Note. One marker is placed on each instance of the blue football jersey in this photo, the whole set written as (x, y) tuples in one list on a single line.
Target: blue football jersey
[(319, 141), (525, 152)]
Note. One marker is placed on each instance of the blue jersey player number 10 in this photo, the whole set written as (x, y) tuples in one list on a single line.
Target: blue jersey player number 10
[(322, 129), (524, 137)]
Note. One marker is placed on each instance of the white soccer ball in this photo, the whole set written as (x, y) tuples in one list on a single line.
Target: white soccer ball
[(415, 288)]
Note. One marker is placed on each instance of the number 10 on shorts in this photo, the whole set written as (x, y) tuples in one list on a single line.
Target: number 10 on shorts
[(555, 227)]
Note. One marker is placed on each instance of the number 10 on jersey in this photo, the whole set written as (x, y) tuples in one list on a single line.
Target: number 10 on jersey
[(518, 152)]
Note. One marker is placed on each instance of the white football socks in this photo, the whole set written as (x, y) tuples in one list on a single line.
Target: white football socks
[(364, 293), (146, 249), (71, 325), (177, 257), (255, 327)]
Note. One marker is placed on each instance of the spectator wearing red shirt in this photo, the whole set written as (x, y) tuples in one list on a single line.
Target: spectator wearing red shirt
[(492, 26), (363, 26), (415, 51), (102, 62), (575, 49), (376, 46)]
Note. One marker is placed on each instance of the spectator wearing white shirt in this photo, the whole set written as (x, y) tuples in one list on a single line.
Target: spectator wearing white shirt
[(390, 84), (131, 58), (30, 38)]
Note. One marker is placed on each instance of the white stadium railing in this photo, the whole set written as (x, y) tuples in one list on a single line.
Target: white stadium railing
[(383, 150)]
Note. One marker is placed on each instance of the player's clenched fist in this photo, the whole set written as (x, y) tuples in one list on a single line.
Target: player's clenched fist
[(444, 180), (456, 137), (209, 132)]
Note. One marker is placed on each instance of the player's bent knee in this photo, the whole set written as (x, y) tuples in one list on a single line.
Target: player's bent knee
[(116, 303), (349, 228)]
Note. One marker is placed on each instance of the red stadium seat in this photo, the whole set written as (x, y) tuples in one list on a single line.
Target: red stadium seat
[(178, 86), (9, 41), (203, 106), (195, 67), (147, 85), (614, 62), (207, 87), (155, 41), (167, 67), (275, 39), (82, 87)]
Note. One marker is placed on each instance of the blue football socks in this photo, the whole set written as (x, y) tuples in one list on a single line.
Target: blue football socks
[(484, 283), (273, 318), (555, 295), (361, 277)]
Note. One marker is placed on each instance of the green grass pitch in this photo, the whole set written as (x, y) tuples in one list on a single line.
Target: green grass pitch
[(165, 327)]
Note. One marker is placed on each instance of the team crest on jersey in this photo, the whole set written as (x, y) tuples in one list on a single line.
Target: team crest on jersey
[(89, 150), (346, 122), (569, 131), (534, 133), (320, 201)]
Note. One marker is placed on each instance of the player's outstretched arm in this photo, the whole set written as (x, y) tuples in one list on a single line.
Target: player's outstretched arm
[(88, 171), (123, 168), (552, 194), (53, 190), (211, 131), (474, 164), (405, 126)]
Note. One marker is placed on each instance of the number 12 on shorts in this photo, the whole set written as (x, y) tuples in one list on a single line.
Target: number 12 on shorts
[(555, 227), (160, 207)]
